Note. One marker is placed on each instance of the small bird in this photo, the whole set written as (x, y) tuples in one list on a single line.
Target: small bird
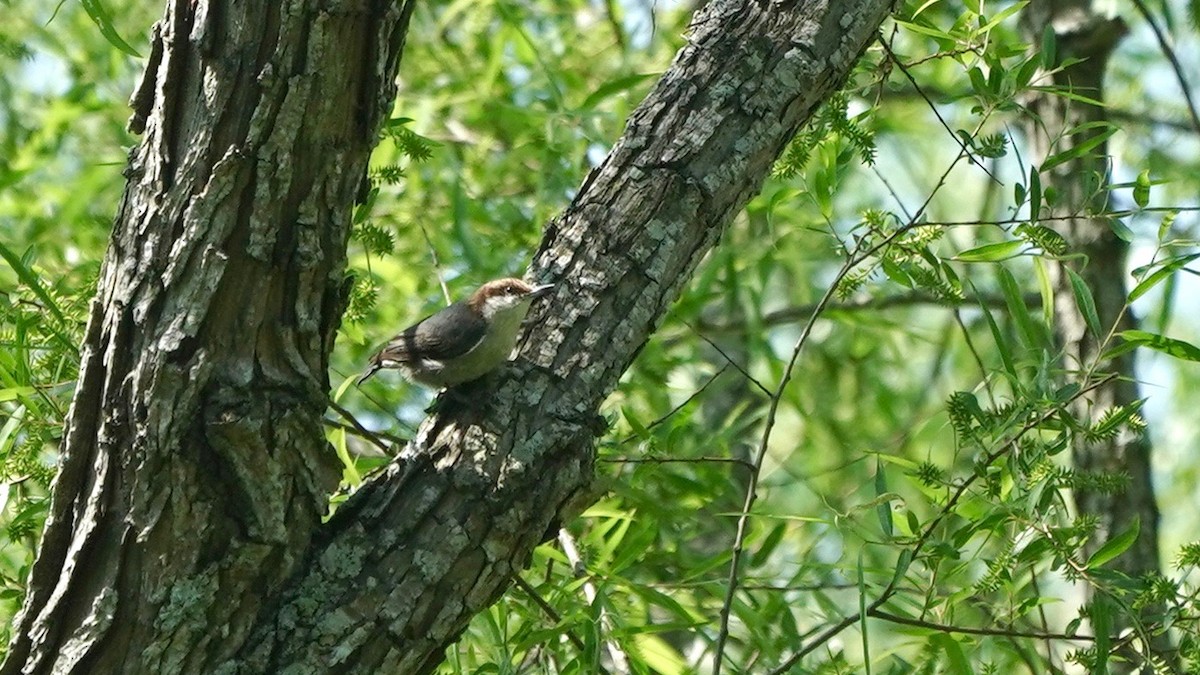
[(464, 341)]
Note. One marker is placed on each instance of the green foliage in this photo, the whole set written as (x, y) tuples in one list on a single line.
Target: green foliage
[(41, 322), (919, 472), (831, 124)]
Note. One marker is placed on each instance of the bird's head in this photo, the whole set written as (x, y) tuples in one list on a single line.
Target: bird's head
[(504, 295)]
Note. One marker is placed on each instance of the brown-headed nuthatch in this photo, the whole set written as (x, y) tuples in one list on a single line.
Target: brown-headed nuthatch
[(464, 341)]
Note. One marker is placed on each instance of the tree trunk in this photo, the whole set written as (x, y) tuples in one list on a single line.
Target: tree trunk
[(185, 532), (1081, 184), (195, 471)]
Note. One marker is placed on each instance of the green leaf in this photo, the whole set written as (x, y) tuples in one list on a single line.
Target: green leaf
[(862, 614), (1080, 149), (1046, 289), (13, 393), (902, 563), (1016, 307), (1085, 302), (926, 30), (100, 16), (1002, 15), (978, 82), (635, 424), (1101, 613), (1006, 357), (1161, 343), (1049, 47), (659, 655), (1120, 229), (1141, 189), (991, 252), (1169, 267), (884, 508), (1027, 70), (1168, 219), (1035, 194), (768, 545), (954, 653), (31, 280), (1116, 545), (612, 87)]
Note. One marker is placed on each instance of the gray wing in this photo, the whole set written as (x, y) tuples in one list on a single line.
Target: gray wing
[(452, 332)]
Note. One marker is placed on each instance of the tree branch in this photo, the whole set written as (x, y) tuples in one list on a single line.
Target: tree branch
[(437, 536)]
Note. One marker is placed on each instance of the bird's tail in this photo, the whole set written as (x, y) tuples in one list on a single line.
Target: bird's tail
[(375, 367)]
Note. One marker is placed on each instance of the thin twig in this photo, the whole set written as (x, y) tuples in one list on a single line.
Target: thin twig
[(927, 533), (871, 303), (1045, 621), (619, 659), (1175, 65), (737, 366), (1119, 213), (549, 611), (932, 106), (676, 460), (983, 373), (772, 411), (437, 267), (756, 468), (695, 394), (968, 630), (384, 450), (373, 436), (891, 191), (614, 22)]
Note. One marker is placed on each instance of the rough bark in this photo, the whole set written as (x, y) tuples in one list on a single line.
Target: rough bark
[(1081, 184), (194, 469), (419, 550), (205, 388)]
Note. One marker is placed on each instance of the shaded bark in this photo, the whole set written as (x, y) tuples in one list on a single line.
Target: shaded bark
[(438, 536), (1081, 184), (196, 469)]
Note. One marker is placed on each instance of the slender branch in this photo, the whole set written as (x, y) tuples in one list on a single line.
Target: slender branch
[(1167, 51), (968, 630), (676, 460), (696, 394), (983, 372), (611, 13), (927, 533), (375, 437), (898, 300), (772, 411), (538, 600), (384, 450), (437, 266), (1118, 213), (756, 468), (571, 551), (932, 106), (1141, 118), (737, 366)]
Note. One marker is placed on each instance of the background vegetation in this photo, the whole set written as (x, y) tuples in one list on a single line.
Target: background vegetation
[(908, 459)]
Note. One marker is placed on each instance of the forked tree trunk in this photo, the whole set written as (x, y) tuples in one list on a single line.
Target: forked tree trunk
[(185, 533)]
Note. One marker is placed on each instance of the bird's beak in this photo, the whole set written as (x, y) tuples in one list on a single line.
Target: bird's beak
[(539, 291)]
